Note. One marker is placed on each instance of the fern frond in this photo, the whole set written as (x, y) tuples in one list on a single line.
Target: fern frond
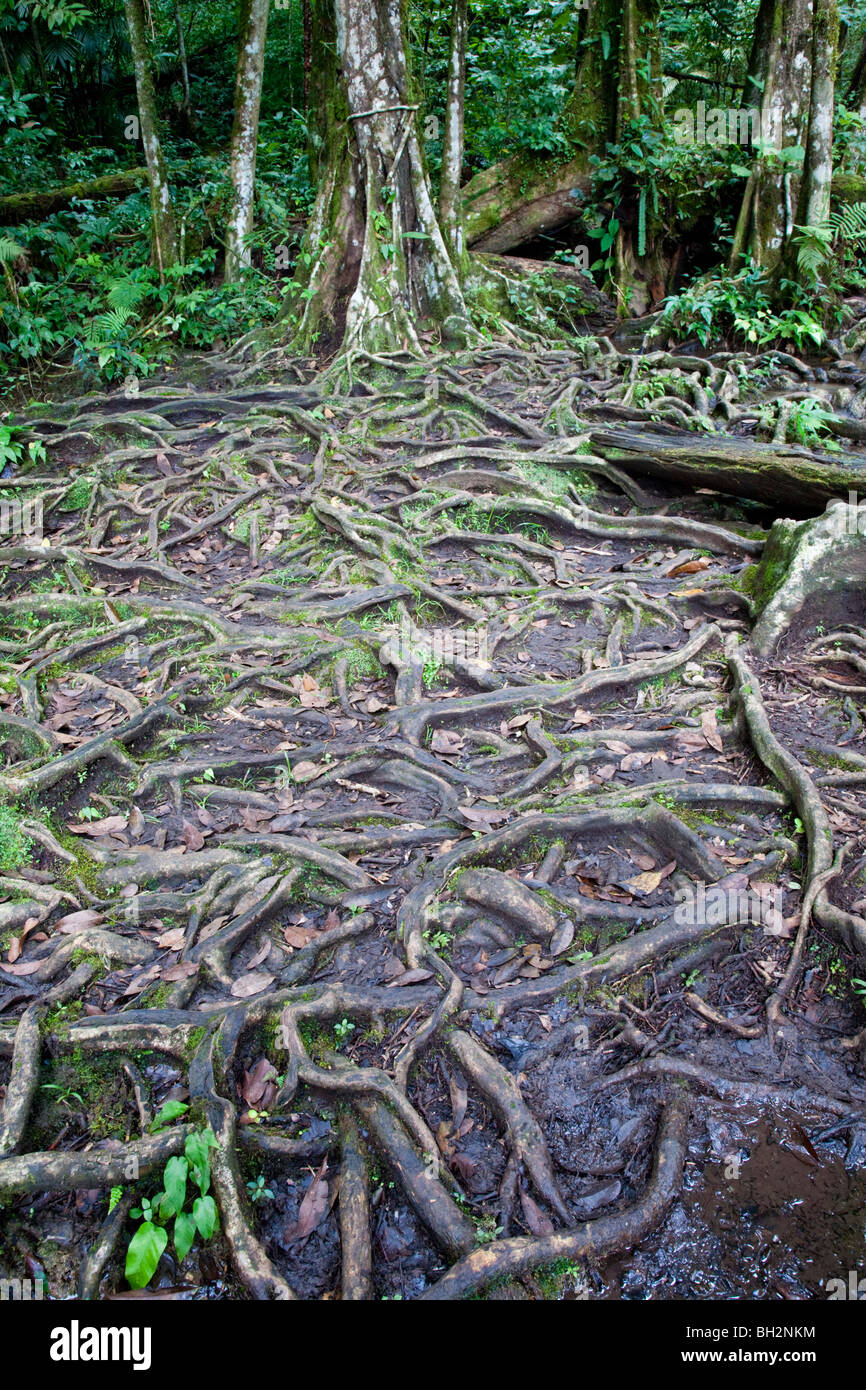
[(104, 327), (10, 250), (126, 294)]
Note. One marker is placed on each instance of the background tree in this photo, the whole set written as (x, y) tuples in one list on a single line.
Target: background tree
[(161, 206), (377, 262), (245, 131)]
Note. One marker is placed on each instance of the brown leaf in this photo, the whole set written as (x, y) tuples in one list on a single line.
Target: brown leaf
[(108, 825), (181, 971), (254, 983), (79, 921), (22, 968), (538, 1222), (192, 836), (710, 728), (313, 1210), (255, 1081)]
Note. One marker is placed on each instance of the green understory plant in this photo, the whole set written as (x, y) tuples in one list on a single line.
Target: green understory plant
[(192, 1213)]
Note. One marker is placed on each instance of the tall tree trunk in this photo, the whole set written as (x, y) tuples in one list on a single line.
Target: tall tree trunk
[(759, 56), (450, 211), (184, 68), (814, 203), (161, 207), (245, 132), (768, 213), (307, 27), (374, 264), (641, 270)]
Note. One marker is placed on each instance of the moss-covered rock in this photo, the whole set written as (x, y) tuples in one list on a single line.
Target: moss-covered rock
[(804, 562)]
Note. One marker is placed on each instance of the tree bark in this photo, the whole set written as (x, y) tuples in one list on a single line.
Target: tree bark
[(450, 212), (184, 67), (782, 475), (161, 207), (374, 263), (245, 131), (767, 215), (813, 206)]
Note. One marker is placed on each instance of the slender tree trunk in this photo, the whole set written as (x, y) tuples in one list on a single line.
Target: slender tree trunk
[(307, 25), (161, 207), (641, 271), (375, 265), (248, 96), (184, 68), (759, 56), (450, 212), (768, 213), (814, 203)]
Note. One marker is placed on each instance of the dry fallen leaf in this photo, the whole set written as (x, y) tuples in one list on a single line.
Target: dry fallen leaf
[(108, 825), (181, 971), (254, 983), (538, 1222), (649, 881), (710, 729), (313, 1209), (80, 921)]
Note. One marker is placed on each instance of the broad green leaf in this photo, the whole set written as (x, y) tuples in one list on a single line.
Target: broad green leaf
[(184, 1233), (205, 1215), (144, 1253), (174, 1178), (170, 1111)]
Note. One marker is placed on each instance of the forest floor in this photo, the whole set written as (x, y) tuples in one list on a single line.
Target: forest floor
[(380, 785)]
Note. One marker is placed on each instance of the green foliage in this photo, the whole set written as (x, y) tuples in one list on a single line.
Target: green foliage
[(834, 252), (808, 421), (191, 1214), (738, 308), (14, 845)]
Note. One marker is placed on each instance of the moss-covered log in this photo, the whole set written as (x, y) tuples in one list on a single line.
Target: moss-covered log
[(521, 197), (782, 474), (41, 202)]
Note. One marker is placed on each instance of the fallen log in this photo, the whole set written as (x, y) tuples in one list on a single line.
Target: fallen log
[(521, 197), (783, 475), (41, 202)]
